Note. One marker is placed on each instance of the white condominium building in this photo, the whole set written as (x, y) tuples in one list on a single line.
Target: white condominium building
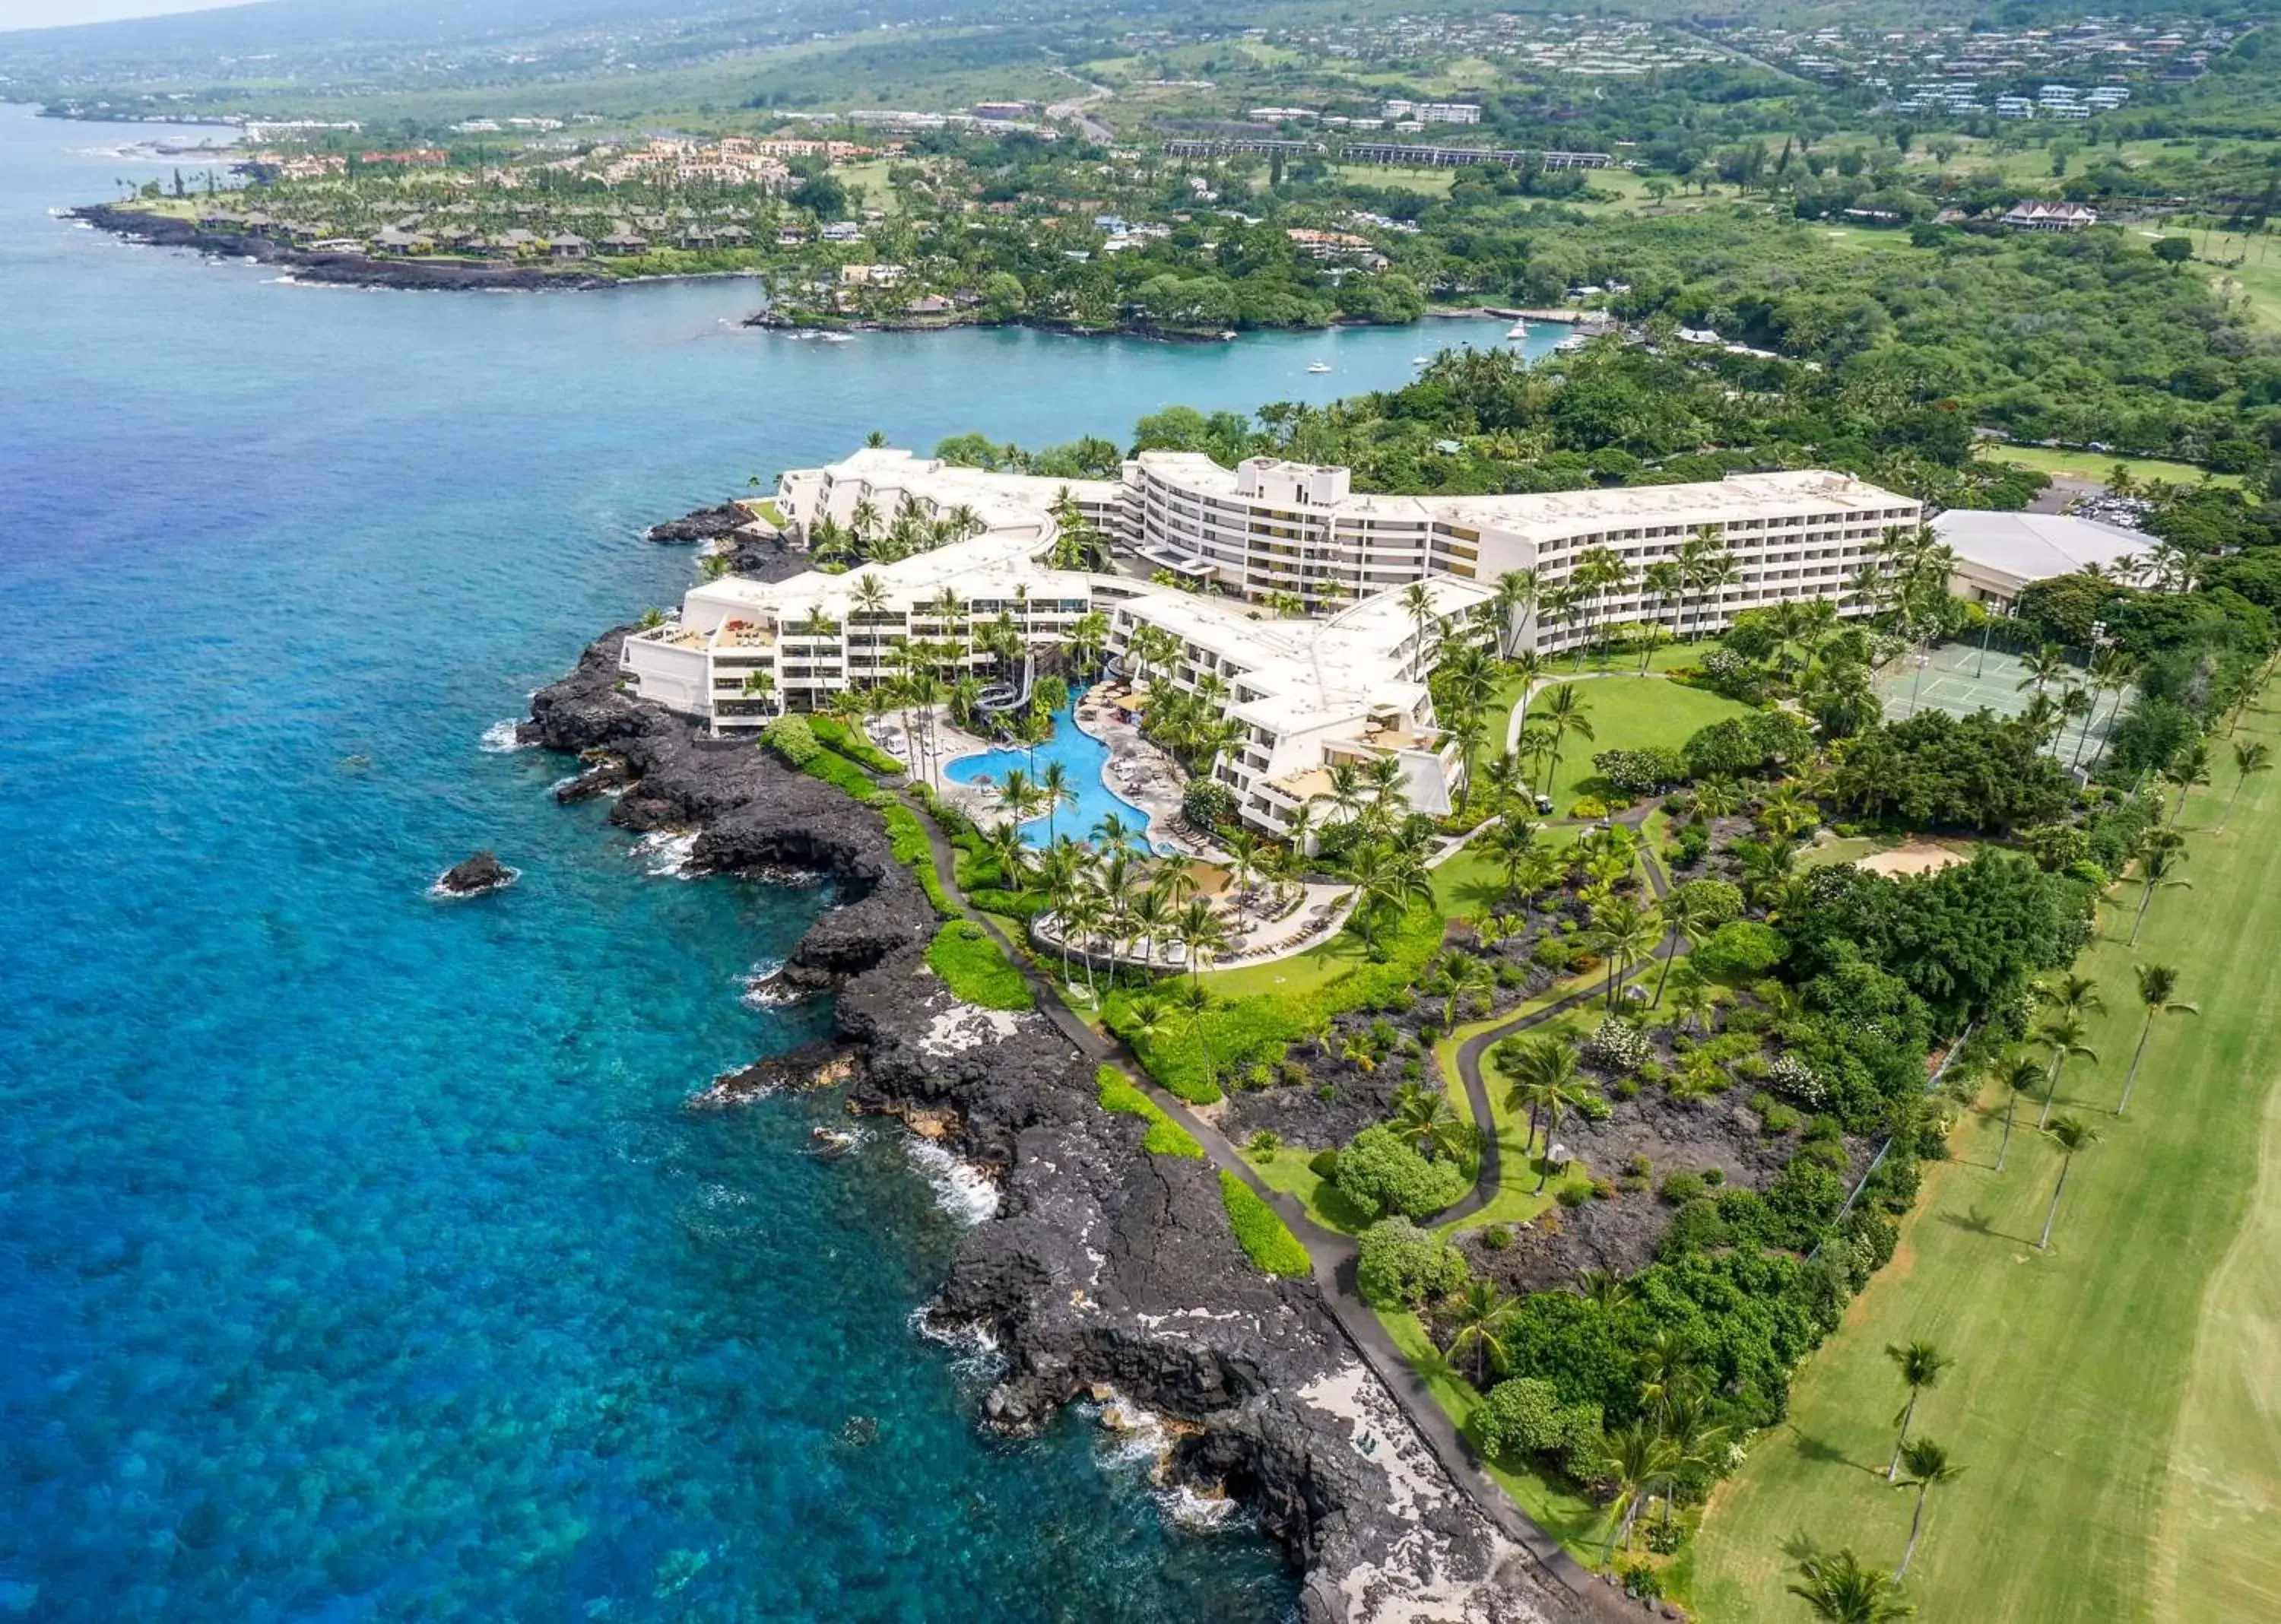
[(1312, 694), (1267, 529), (1013, 505)]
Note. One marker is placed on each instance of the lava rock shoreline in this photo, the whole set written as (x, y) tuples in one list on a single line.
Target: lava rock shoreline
[(1105, 1267)]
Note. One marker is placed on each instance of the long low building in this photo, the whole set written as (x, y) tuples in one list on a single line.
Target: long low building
[(2000, 555)]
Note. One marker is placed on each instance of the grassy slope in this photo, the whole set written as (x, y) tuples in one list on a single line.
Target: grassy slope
[(1630, 714), (2101, 1401), (2097, 465)]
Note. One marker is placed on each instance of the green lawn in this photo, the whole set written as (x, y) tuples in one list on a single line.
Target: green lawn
[(1288, 1171), (2257, 281), (2097, 465), (1630, 712), (1575, 1521), (1303, 972), (2114, 1402)]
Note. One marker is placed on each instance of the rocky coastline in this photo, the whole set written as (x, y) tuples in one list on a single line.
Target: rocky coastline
[(350, 270), (1105, 1268)]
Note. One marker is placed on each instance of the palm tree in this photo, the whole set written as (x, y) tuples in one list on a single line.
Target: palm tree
[(2071, 1136), (1461, 975), (2247, 759), (1642, 1460), (2045, 663), (2016, 1076), (2157, 984), (1196, 999), (2188, 767), (1055, 792), (1930, 1466), (1515, 597), (1839, 1591), (1920, 1364), (1418, 603), (1604, 1288), (1597, 574), (1481, 1316), (1113, 833), (1545, 1078), (1512, 843), (1625, 932), (1201, 932), (1385, 878), (1564, 713), (2063, 1035), (1151, 917), (1422, 1118)]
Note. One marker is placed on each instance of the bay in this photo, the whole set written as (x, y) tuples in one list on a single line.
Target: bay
[(359, 1258)]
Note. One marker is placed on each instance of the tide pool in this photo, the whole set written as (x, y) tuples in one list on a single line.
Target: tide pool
[(359, 1258)]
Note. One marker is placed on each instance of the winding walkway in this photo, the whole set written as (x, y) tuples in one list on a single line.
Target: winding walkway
[(1332, 1255)]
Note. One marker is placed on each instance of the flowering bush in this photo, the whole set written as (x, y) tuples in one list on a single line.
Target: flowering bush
[(1795, 1080), (1617, 1045)]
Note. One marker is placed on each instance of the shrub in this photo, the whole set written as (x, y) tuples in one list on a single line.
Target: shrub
[(1796, 1081), (836, 735), (1165, 1137), (1713, 901), (1745, 746), (1572, 1196), (907, 838), (1636, 773), (1740, 949), (1265, 1144), (1323, 1164), (1527, 1417), (1589, 807), (792, 739), (1265, 1238), (1382, 1174), (1554, 955), (1616, 1046), (1207, 803), (841, 774), (976, 968), (1401, 1265), (1496, 1237), (1679, 1189)]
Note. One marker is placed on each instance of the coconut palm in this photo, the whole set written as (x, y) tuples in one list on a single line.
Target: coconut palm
[(1929, 1467), (2247, 758), (1541, 1069), (2158, 984), (1200, 930), (1563, 715), (1385, 878), (2071, 1137), (1055, 792), (1482, 1317), (1624, 932), (2063, 1035), (1606, 1287), (2016, 1076), (1839, 1591), (1717, 798), (1511, 844), (1643, 1462), (1112, 833), (1195, 1000), (1423, 1119), (1150, 915), (2188, 767), (2042, 667), (1461, 975), (1920, 1364), (1693, 997), (1515, 597)]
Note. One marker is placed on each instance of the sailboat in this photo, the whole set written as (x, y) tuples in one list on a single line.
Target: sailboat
[(1519, 329)]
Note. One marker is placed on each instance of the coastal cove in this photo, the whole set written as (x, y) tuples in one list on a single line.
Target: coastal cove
[(358, 1253)]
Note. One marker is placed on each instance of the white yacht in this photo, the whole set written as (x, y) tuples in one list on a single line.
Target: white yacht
[(1519, 329), (1319, 367)]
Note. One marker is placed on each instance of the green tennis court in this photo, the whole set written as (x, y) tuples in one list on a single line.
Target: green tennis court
[(1962, 677)]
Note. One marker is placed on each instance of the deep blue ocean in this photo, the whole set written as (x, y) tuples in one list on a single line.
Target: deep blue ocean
[(358, 1257)]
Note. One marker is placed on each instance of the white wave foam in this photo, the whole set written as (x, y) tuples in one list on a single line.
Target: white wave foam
[(975, 1353), (961, 1188), (665, 852), (1196, 1511), (1136, 1437), (500, 739), (765, 988)]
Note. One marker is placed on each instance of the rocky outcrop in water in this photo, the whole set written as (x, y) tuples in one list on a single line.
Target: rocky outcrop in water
[(1104, 1267), (474, 876)]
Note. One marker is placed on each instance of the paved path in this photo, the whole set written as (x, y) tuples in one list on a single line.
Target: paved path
[(1332, 1255)]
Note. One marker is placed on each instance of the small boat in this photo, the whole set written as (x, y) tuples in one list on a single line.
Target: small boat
[(1519, 329), (829, 1144), (1319, 367), (1573, 343), (1419, 361)]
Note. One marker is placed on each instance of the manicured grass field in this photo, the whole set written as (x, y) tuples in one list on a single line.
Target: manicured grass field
[(1630, 712), (2098, 464), (2113, 1400)]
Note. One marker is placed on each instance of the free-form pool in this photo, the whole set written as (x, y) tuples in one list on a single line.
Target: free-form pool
[(1081, 756)]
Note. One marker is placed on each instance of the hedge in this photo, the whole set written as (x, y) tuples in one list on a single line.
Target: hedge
[(792, 739), (976, 968), (907, 842), (1165, 1137), (844, 775), (1265, 1238), (834, 734)]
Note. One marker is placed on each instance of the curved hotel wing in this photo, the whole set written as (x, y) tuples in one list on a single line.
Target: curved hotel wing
[(1344, 682)]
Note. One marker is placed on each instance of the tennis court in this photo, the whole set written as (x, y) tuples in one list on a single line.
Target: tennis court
[(1962, 677)]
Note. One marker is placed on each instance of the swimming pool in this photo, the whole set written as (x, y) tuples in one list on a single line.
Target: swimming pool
[(1081, 756)]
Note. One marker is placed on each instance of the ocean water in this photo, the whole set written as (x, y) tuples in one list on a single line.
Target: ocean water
[(359, 1258)]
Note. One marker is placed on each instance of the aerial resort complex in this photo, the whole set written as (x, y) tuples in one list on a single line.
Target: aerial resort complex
[(1311, 616)]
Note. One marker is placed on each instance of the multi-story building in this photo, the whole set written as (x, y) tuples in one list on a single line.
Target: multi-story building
[(1268, 529), (1266, 538), (1435, 112)]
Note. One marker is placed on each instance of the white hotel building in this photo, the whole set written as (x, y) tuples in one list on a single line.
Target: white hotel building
[(1312, 691), (1267, 527)]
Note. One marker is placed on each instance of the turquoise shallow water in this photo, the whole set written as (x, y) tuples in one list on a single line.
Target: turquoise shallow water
[(357, 1259)]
